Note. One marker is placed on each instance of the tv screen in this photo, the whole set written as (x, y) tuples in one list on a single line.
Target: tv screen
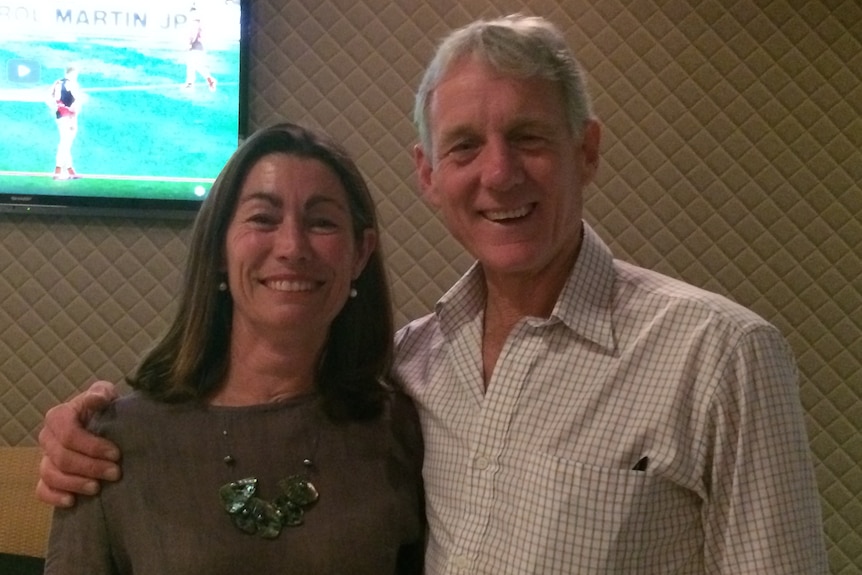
[(118, 107)]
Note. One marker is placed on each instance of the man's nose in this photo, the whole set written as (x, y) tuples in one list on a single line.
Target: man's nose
[(502, 166)]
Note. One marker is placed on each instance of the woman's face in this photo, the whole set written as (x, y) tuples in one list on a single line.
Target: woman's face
[(290, 248)]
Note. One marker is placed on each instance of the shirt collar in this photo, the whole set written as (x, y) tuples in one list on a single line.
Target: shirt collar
[(584, 304)]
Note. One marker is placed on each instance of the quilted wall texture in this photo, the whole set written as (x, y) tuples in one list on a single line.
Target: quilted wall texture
[(732, 159)]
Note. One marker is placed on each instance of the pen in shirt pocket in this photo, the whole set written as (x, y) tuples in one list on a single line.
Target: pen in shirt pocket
[(641, 465)]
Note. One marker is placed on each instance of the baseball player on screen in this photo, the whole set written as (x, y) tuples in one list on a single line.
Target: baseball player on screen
[(196, 59), (66, 99)]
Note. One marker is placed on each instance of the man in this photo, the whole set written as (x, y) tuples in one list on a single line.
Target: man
[(580, 414), (66, 99)]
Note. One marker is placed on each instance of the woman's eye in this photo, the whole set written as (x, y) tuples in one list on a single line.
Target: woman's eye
[(323, 223), (262, 218)]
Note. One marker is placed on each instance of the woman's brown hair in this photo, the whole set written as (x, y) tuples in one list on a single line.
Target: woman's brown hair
[(191, 360)]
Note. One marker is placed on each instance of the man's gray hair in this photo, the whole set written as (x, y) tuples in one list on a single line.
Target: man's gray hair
[(521, 46)]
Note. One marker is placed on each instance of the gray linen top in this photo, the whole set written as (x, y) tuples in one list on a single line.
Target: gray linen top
[(166, 516)]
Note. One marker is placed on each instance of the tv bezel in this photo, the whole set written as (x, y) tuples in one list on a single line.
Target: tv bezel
[(70, 205)]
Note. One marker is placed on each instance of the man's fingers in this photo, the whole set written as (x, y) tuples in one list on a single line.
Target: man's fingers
[(53, 498), (104, 389), (99, 396), (63, 434), (81, 464), (76, 452), (58, 488), (73, 459)]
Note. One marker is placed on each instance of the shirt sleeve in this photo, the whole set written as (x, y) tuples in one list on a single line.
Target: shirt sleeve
[(763, 512)]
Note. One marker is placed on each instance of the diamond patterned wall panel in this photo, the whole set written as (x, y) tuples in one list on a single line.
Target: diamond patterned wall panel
[(732, 158)]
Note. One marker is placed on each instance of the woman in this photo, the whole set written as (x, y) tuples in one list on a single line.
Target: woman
[(260, 438)]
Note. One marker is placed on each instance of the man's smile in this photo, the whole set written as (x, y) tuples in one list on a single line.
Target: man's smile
[(506, 215)]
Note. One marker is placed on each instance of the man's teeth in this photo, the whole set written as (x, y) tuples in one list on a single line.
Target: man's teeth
[(291, 285), (507, 214)]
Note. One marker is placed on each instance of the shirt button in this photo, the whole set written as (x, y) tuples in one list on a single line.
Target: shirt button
[(481, 463)]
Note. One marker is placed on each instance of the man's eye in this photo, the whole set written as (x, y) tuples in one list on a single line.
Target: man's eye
[(528, 140), (469, 145), (462, 150)]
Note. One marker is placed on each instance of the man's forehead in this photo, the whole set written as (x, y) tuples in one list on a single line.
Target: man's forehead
[(465, 98)]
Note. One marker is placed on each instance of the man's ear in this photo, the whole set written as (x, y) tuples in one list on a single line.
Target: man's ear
[(590, 148), (424, 171)]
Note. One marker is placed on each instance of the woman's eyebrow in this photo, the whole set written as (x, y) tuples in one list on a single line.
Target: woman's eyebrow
[(323, 199), (263, 196)]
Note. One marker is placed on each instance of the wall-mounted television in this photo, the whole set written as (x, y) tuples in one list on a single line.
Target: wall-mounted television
[(119, 107)]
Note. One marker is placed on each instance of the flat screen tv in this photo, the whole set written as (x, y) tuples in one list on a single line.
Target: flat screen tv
[(118, 107)]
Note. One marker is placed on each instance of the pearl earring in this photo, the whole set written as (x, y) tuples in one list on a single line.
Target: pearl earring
[(353, 292), (222, 286)]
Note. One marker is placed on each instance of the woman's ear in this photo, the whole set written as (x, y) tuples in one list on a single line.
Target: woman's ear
[(364, 249)]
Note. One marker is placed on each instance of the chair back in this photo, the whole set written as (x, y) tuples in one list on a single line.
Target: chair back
[(25, 522)]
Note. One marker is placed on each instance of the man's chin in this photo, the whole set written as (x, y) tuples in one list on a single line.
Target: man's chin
[(511, 263)]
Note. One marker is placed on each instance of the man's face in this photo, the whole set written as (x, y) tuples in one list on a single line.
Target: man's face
[(505, 171)]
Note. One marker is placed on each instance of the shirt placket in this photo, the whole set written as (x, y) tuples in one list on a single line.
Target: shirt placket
[(490, 438)]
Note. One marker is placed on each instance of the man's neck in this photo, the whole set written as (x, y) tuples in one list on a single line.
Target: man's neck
[(509, 298)]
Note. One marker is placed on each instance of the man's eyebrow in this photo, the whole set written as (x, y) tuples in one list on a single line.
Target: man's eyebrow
[(465, 131), (457, 132), (532, 124)]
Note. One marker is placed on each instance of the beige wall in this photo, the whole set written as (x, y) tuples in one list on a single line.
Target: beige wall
[(731, 160)]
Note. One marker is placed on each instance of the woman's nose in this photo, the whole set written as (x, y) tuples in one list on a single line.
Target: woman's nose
[(291, 241)]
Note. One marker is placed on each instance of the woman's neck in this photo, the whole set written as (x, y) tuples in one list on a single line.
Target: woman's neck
[(245, 395), (261, 371)]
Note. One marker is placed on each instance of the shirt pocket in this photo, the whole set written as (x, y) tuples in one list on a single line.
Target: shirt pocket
[(612, 520)]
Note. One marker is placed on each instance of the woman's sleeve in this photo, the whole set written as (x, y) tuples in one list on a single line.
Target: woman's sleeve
[(79, 543)]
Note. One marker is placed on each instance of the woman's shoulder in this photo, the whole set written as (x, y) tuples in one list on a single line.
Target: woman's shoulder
[(136, 403), (398, 407), (403, 419), (131, 410)]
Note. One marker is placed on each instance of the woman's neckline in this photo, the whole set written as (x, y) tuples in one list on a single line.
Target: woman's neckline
[(297, 400)]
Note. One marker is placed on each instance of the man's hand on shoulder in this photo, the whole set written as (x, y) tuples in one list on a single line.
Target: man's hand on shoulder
[(73, 459)]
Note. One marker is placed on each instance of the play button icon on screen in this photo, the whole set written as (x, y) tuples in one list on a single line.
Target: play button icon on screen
[(23, 70)]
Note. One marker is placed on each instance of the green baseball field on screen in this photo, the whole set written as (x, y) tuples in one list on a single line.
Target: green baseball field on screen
[(143, 131)]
